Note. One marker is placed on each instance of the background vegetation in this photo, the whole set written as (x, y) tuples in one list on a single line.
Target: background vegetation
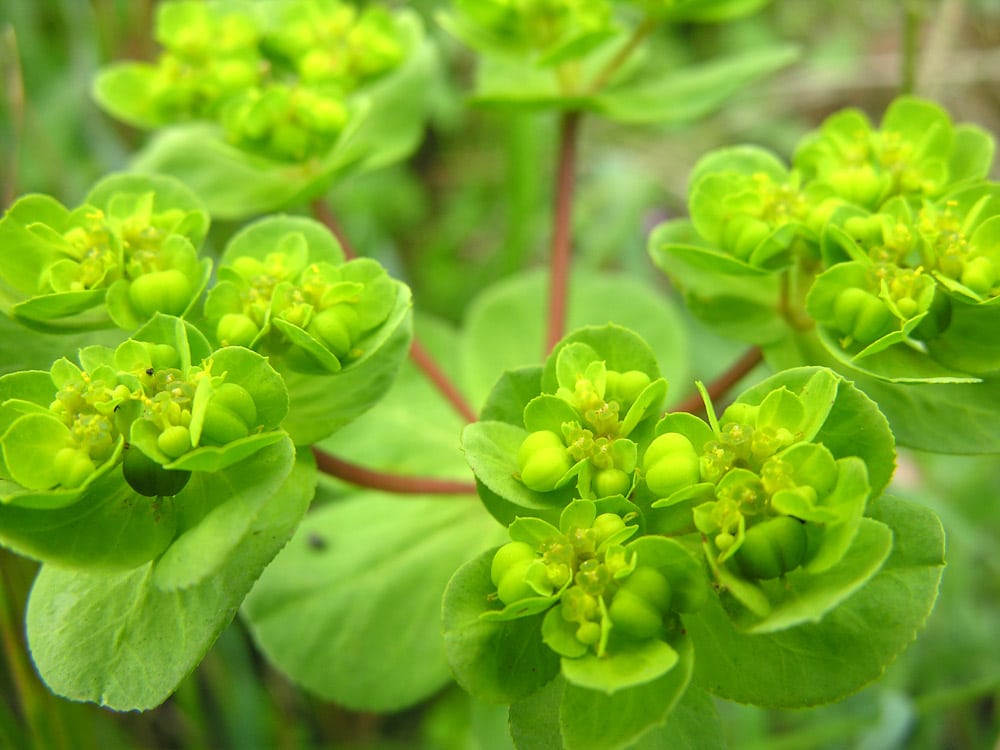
[(470, 208)]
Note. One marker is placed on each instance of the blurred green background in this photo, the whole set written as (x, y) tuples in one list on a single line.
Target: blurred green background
[(470, 208)]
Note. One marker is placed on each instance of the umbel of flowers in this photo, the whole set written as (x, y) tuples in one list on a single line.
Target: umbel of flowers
[(884, 239)]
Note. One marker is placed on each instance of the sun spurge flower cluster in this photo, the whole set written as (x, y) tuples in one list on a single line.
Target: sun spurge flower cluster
[(883, 237), (581, 433), (275, 75), (129, 251), (285, 290), (602, 594), (160, 410)]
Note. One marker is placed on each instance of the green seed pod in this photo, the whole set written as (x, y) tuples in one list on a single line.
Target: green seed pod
[(236, 329), (625, 387), (606, 525), (861, 315), (167, 291), (543, 460), (650, 585), (589, 633), (608, 482), (979, 274), (670, 463), (229, 416), (148, 478), (507, 556), (634, 616), (337, 327), (514, 586), (72, 467), (175, 441), (771, 548), (751, 233)]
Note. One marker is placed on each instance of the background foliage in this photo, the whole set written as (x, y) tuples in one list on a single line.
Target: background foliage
[(469, 209)]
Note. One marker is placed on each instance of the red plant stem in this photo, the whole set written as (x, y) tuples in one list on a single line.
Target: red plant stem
[(397, 483), (322, 213), (420, 356), (569, 127), (423, 359), (721, 385)]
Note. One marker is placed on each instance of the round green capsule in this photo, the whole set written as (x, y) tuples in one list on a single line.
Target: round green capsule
[(634, 616), (513, 585), (230, 415), (649, 584), (175, 441), (980, 274), (507, 556), (670, 463), (72, 467), (608, 482), (236, 329), (543, 460), (771, 548), (861, 315), (148, 478), (167, 292)]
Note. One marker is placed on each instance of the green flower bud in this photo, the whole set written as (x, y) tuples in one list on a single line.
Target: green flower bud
[(148, 478), (771, 548), (861, 315), (167, 291), (236, 329), (175, 441), (634, 616), (609, 482), (230, 415), (507, 556), (543, 460), (979, 274), (670, 463)]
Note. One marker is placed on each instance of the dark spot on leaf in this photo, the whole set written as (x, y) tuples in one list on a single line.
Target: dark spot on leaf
[(315, 541), (150, 371)]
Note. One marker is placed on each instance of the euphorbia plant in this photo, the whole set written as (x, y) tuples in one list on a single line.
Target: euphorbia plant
[(631, 554)]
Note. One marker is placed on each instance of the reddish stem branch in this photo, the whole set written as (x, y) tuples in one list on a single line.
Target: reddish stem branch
[(322, 213), (397, 483), (721, 385), (569, 127), (423, 359), (420, 356)]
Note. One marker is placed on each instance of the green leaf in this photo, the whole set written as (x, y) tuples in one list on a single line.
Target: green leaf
[(731, 296), (633, 665), (688, 94), (595, 720), (851, 646), (321, 405), (351, 609), (219, 510), (620, 349), (504, 328), (497, 661), (117, 640), (491, 450), (107, 526)]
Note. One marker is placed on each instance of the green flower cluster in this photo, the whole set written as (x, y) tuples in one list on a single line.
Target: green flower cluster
[(553, 31), (602, 596), (143, 404), (128, 252), (581, 432), (275, 75), (285, 291), (885, 236)]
